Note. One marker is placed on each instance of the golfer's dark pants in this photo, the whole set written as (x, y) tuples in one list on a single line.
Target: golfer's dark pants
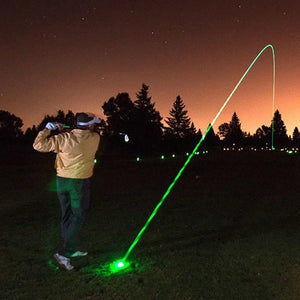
[(74, 197)]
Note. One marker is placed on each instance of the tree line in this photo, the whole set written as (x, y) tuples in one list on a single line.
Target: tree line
[(143, 123)]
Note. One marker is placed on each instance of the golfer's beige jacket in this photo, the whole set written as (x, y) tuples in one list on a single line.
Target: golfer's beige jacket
[(75, 151)]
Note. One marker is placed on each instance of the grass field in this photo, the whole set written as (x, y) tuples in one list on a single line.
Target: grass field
[(228, 230)]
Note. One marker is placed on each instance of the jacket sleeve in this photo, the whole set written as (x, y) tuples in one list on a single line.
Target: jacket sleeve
[(44, 143)]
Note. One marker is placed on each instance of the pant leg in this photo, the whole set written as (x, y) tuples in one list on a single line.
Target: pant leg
[(66, 211), (74, 198)]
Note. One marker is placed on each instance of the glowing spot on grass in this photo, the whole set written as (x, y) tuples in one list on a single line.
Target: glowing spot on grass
[(120, 264), (114, 268), (52, 265)]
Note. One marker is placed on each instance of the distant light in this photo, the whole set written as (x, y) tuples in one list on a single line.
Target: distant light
[(137, 159), (291, 152), (187, 154), (95, 161), (162, 157), (173, 155)]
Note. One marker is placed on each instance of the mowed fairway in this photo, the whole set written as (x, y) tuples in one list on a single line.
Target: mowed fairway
[(230, 228)]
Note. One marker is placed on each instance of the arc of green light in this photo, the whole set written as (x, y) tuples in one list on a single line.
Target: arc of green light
[(273, 109), (199, 143)]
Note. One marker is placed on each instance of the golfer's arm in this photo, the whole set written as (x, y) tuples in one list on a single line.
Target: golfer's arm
[(44, 143)]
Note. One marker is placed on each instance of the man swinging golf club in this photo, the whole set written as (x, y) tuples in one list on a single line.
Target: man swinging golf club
[(75, 153)]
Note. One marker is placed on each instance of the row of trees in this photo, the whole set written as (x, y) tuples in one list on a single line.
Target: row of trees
[(143, 123)]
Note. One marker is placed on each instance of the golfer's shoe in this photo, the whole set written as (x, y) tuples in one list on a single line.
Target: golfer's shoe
[(64, 261), (78, 254)]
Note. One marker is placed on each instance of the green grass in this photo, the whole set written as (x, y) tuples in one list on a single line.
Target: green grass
[(228, 230)]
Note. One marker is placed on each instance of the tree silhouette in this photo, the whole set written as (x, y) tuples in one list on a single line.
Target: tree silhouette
[(211, 139), (60, 117), (10, 126), (296, 137), (223, 130), (181, 133), (193, 137), (70, 119), (232, 132), (280, 136), (179, 123), (30, 135), (262, 136), (119, 112), (193, 130), (147, 129)]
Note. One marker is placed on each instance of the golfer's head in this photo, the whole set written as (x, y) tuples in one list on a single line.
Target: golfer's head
[(86, 120)]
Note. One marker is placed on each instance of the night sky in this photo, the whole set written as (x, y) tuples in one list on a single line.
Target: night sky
[(77, 54)]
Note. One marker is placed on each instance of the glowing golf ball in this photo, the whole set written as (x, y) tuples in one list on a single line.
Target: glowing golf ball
[(120, 264)]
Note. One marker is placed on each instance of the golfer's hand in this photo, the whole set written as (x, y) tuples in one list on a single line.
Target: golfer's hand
[(60, 127), (52, 126)]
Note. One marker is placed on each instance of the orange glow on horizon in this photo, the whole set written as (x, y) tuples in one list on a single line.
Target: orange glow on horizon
[(78, 60)]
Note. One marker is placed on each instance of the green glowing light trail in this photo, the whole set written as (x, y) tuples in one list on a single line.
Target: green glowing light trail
[(199, 143)]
